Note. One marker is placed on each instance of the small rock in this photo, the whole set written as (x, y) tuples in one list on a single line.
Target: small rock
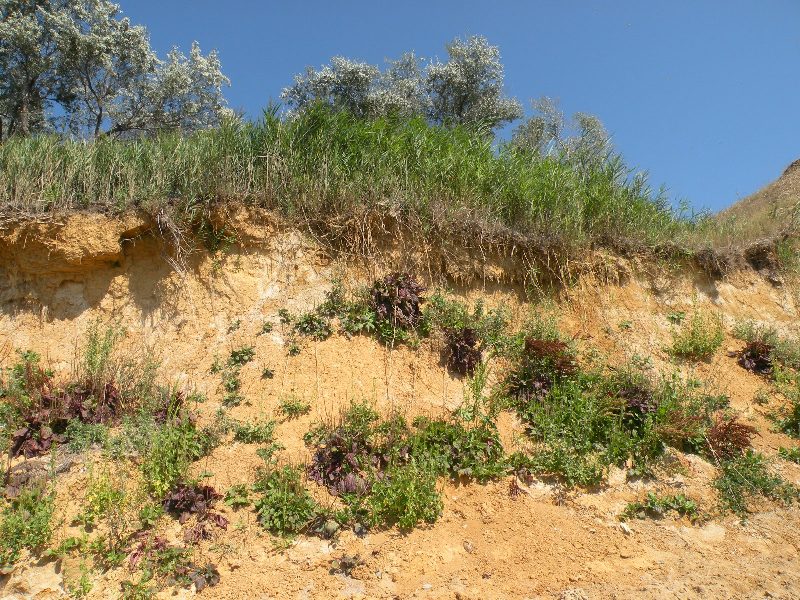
[(469, 546), (330, 528), (625, 554), (426, 586), (626, 529)]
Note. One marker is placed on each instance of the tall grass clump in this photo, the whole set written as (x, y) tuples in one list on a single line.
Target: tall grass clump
[(321, 167)]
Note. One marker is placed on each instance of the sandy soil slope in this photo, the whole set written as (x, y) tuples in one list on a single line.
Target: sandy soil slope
[(58, 279)]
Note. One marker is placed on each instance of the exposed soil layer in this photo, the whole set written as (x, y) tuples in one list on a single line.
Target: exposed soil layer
[(59, 279)]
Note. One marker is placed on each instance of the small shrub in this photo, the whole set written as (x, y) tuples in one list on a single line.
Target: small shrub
[(453, 317), (314, 325), (357, 317), (185, 500), (768, 342), (747, 476), (582, 425), (728, 437), (25, 523), (140, 590), (406, 497), (231, 384), (267, 373), (238, 496), (149, 514), (103, 496), (293, 407), (542, 363), (635, 395), (685, 413), (173, 448), (463, 350), (170, 564), (82, 436), (285, 507), (346, 454), (457, 451), (254, 433), (396, 299), (655, 507), (788, 420), (790, 454), (699, 338), (756, 357)]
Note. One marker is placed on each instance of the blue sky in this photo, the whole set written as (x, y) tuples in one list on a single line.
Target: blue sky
[(702, 94)]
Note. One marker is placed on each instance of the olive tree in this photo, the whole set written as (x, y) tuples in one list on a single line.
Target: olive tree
[(361, 88), (467, 89), (581, 140), (79, 66), (29, 82)]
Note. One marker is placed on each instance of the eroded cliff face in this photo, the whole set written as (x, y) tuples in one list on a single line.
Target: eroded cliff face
[(57, 279)]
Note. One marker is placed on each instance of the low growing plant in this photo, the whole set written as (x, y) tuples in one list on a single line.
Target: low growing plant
[(166, 462), (406, 496), (657, 507), (790, 454), (700, 337), (746, 476), (254, 433), (284, 506), (766, 344), (293, 407), (25, 524)]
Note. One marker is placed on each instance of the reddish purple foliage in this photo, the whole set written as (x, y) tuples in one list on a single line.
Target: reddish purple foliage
[(757, 357), (186, 500), (396, 298), (729, 437), (463, 350)]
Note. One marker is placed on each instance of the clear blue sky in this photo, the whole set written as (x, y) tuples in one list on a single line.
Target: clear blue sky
[(703, 94)]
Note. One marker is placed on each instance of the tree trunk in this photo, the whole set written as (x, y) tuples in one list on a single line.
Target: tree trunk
[(24, 114)]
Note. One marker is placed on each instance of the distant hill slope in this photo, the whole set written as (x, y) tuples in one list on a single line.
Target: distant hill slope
[(771, 210)]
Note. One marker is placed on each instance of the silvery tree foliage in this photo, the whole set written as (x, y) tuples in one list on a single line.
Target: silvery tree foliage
[(29, 83), (78, 66), (360, 88), (468, 88), (465, 90), (583, 140)]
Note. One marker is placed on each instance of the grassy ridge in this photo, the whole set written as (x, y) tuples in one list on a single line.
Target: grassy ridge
[(322, 167)]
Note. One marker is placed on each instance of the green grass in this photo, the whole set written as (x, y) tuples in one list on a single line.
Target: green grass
[(322, 168)]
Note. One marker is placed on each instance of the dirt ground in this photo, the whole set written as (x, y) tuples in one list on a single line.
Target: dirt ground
[(542, 543)]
